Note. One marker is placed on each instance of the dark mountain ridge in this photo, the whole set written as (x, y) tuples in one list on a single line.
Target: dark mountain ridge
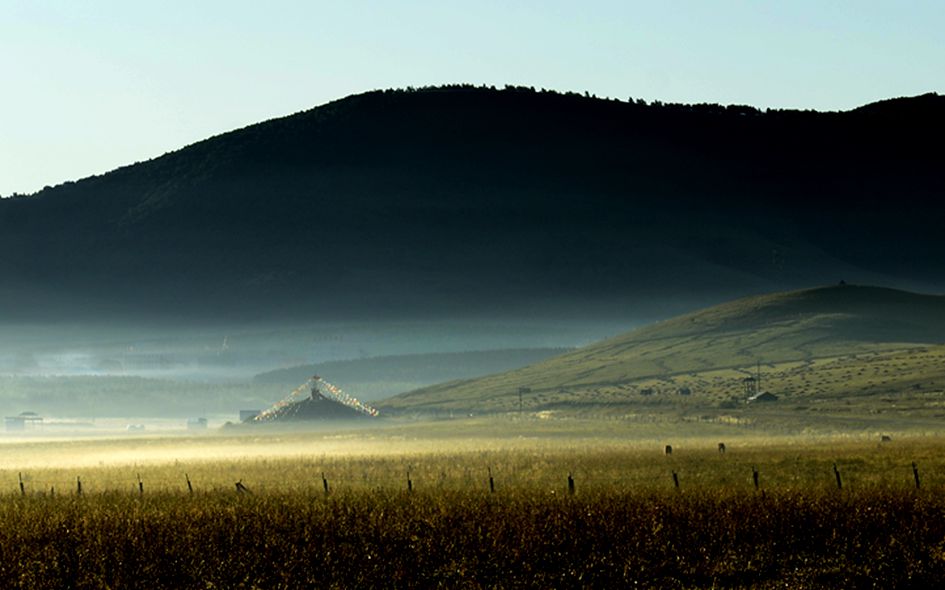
[(460, 199)]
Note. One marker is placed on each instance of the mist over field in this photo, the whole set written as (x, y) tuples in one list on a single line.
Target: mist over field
[(94, 370)]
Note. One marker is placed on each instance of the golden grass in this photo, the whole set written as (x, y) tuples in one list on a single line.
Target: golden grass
[(626, 524)]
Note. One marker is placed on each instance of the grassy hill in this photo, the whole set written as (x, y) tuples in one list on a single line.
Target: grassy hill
[(457, 200), (818, 347)]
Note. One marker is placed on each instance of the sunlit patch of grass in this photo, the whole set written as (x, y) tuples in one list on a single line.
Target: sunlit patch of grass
[(626, 524)]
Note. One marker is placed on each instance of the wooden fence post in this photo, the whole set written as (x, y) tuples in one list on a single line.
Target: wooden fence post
[(491, 482), (836, 473), (190, 488), (915, 474), (409, 483), (140, 486), (78, 486), (570, 484), (675, 479), (324, 483), (754, 476), (22, 487)]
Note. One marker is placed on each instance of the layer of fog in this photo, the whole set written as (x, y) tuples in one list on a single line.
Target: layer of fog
[(239, 353), (77, 374)]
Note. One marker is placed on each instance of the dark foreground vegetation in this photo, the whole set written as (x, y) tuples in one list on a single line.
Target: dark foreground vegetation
[(455, 539)]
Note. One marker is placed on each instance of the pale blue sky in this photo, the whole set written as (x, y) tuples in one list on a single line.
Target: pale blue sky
[(87, 86)]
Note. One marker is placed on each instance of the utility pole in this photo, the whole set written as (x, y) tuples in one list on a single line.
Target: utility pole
[(522, 390)]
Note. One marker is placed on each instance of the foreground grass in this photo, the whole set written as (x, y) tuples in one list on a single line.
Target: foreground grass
[(626, 524), (460, 539)]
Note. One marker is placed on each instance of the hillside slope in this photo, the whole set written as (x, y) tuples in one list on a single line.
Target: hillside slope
[(382, 376), (463, 200), (711, 351)]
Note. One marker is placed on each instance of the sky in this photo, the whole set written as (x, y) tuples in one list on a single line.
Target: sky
[(89, 86)]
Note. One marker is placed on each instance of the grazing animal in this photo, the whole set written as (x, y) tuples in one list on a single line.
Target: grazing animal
[(885, 438), (668, 450), (722, 448)]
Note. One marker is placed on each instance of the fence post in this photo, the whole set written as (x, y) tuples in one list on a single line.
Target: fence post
[(836, 473), (570, 484), (675, 479), (190, 488), (754, 476), (409, 483), (915, 474), (140, 486), (22, 487), (324, 483), (491, 482), (78, 486)]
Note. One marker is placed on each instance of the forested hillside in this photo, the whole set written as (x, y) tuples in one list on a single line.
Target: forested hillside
[(460, 200)]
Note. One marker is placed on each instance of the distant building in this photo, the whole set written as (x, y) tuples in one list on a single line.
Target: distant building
[(764, 396), (21, 421)]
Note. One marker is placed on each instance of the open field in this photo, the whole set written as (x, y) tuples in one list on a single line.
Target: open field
[(625, 524)]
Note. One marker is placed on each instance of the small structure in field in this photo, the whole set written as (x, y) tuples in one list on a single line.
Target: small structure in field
[(684, 391), (316, 399), (764, 396), (22, 421)]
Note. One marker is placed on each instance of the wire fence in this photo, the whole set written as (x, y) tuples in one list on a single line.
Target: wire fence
[(748, 478)]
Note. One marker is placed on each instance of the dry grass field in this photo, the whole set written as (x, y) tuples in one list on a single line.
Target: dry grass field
[(626, 523)]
